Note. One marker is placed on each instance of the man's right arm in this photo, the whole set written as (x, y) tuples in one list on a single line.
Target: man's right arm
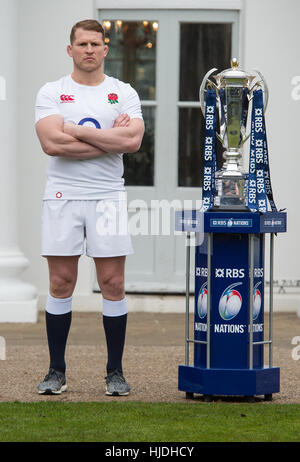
[(54, 142)]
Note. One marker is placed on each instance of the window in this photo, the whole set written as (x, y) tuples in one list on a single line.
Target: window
[(202, 47), (132, 59)]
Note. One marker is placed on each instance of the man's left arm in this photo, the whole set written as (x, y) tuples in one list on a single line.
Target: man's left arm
[(126, 139)]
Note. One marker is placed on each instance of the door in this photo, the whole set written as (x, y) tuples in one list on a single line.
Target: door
[(164, 55)]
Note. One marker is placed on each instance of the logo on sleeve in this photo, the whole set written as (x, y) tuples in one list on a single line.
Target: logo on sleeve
[(67, 98), (113, 98)]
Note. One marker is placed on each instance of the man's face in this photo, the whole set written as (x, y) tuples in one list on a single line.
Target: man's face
[(87, 50)]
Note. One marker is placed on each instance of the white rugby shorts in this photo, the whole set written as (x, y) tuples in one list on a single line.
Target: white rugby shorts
[(98, 228)]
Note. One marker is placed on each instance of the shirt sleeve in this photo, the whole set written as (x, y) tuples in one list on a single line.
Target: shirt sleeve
[(131, 103), (46, 103)]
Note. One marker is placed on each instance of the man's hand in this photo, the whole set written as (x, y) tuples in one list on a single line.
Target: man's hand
[(122, 121), (69, 129)]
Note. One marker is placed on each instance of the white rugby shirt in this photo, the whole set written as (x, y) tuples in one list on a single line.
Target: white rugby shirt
[(97, 106)]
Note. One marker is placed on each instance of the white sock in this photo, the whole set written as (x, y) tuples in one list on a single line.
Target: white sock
[(58, 305), (114, 307)]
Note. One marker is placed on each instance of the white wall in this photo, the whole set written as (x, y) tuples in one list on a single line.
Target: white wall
[(44, 29), (8, 139), (269, 42)]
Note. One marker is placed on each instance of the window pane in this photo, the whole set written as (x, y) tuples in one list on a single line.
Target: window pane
[(202, 47), (132, 54), (132, 59), (190, 158), (139, 167)]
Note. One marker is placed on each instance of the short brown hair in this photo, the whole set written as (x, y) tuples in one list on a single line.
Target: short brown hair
[(87, 24)]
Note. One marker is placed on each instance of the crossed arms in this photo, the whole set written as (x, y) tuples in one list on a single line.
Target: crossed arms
[(82, 142)]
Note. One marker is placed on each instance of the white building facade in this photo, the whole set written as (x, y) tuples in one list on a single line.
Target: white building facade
[(165, 53)]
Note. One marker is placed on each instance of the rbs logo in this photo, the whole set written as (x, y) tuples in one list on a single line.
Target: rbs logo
[(230, 273)]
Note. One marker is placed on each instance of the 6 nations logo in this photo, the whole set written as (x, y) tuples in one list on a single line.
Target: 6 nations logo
[(230, 302), (229, 306)]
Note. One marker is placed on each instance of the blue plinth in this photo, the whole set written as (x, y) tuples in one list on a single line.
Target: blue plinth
[(236, 284), (232, 382), (229, 314), (230, 222)]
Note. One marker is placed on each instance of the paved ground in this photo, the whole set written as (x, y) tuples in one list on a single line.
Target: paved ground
[(154, 349)]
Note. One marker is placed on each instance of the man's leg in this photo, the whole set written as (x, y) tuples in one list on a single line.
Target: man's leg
[(110, 275), (63, 276)]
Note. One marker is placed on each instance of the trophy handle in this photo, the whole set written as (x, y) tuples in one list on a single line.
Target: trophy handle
[(202, 89), (261, 83), (202, 92)]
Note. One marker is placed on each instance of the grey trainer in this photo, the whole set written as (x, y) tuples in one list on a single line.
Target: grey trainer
[(116, 384), (54, 383)]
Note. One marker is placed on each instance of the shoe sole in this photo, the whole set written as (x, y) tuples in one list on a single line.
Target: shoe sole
[(48, 391), (116, 393)]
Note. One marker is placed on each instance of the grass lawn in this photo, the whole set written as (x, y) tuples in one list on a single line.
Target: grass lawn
[(149, 422)]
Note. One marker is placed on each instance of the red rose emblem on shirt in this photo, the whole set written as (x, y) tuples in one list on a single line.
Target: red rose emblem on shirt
[(113, 98)]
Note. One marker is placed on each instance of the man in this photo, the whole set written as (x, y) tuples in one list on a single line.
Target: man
[(84, 122)]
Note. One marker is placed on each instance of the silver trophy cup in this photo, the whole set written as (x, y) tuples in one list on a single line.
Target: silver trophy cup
[(234, 88)]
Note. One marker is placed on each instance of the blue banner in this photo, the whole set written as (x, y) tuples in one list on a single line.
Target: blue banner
[(210, 156), (259, 181)]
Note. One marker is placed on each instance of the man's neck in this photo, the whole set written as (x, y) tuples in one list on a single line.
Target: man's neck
[(88, 78)]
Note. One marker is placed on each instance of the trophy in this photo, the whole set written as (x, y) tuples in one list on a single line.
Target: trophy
[(234, 90), (230, 236)]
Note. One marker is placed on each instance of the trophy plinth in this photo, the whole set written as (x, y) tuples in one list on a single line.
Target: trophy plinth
[(233, 93)]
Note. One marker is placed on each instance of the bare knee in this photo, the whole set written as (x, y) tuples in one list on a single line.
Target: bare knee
[(62, 275), (112, 287), (62, 285)]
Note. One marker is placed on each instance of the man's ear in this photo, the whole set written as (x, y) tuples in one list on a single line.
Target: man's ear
[(69, 50), (106, 50)]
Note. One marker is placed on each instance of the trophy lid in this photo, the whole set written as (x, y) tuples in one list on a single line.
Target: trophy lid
[(234, 72)]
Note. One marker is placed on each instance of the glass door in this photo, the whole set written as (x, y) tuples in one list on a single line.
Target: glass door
[(203, 46), (164, 55), (132, 58)]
